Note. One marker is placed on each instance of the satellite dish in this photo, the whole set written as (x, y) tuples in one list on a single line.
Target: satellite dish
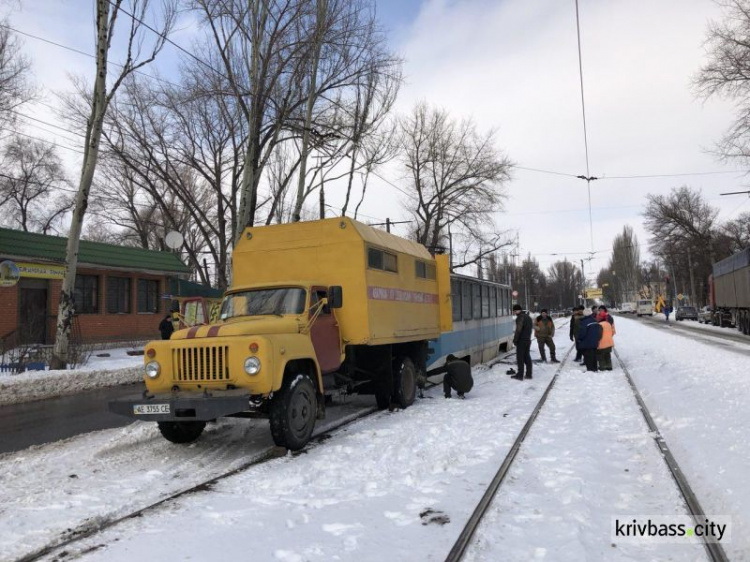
[(174, 239)]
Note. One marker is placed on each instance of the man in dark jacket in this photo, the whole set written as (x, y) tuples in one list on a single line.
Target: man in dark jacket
[(522, 341), (545, 332), (457, 377), (589, 334), (575, 323), (166, 327)]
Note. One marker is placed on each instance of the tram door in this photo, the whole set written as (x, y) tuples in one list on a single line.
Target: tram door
[(32, 310)]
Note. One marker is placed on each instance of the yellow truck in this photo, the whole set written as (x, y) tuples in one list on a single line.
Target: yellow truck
[(314, 308)]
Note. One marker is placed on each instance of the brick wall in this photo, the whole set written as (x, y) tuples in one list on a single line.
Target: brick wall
[(101, 326), (8, 309)]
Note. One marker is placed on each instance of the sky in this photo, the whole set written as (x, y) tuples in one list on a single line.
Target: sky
[(512, 66)]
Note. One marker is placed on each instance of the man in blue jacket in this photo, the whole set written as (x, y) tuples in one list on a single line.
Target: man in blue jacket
[(589, 334)]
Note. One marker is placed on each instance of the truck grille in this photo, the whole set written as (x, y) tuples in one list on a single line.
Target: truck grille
[(199, 364)]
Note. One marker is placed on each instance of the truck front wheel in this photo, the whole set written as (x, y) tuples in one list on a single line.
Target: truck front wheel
[(292, 413), (181, 432)]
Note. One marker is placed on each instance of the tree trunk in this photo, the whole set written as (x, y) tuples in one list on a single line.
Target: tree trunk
[(321, 9), (93, 134)]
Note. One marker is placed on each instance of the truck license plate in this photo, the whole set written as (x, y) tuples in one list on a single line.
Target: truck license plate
[(140, 409)]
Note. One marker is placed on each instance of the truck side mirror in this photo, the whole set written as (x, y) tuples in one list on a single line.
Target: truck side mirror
[(335, 296)]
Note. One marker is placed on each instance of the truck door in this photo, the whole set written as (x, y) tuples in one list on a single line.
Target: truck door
[(325, 334)]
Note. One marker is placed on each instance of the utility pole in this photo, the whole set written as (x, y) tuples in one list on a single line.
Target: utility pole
[(692, 278), (583, 281)]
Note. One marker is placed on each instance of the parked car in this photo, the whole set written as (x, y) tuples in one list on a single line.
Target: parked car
[(722, 318), (686, 313), (645, 307)]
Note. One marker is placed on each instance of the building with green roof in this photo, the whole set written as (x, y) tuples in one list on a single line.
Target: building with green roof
[(122, 293)]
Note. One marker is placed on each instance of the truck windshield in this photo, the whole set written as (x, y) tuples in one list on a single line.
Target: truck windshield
[(258, 302)]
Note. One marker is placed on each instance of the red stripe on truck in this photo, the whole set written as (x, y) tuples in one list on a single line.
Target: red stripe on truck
[(399, 295)]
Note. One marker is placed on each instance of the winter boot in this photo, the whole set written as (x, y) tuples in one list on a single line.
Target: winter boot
[(529, 376), (554, 359), (517, 377)]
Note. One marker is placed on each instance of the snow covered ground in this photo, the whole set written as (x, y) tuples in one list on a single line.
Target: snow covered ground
[(387, 485), (589, 457), (116, 368), (700, 398), (401, 485)]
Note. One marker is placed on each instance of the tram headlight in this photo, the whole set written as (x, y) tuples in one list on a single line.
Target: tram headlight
[(153, 369), (252, 365)]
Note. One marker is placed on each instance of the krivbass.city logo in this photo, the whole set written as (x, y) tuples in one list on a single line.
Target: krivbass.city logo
[(671, 528)]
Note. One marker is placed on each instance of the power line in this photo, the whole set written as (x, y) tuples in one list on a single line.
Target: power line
[(167, 39), (588, 177), (80, 52), (43, 140)]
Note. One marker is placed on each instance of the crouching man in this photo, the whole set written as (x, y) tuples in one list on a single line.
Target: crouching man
[(457, 377)]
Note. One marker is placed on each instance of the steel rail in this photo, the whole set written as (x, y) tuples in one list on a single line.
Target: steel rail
[(87, 530), (714, 550), (464, 538)]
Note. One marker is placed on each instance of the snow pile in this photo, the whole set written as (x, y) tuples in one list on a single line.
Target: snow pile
[(116, 368), (39, 385)]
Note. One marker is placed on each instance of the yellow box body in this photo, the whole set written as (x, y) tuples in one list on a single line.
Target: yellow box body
[(379, 307)]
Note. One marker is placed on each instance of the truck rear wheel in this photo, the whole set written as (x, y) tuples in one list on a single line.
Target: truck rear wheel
[(292, 413), (181, 432), (405, 383)]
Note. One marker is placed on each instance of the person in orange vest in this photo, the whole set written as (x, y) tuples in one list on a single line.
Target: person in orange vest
[(606, 343)]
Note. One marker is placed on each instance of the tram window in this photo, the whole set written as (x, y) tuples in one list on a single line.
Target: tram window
[(456, 299), (493, 302), (507, 302), (466, 300), (499, 301), (476, 299), (485, 301)]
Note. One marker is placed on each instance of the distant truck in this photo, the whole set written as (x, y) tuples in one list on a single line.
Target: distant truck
[(628, 308), (645, 307), (314, 308), (729, 292)]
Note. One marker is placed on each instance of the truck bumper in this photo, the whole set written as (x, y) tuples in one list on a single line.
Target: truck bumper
[(182, 406)]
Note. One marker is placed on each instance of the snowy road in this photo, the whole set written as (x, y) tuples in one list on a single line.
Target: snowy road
[(48, 489), (589, 457), (401, 486), (387, 485)]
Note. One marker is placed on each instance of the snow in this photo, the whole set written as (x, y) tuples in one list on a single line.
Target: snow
[(402, 485), (698, 395), (118, 368), (588, 458)]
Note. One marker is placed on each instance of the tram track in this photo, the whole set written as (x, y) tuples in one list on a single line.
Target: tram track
[(714, 551), (467, 533), (100, 524)]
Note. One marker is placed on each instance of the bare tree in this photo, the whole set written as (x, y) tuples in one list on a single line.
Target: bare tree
[(107, 14), (29, 185), (624, 265), (15, 87), (683, 228), (457, 177), (727, 73), (738, 232)]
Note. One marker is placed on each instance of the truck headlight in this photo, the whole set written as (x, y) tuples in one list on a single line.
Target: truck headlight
[(153, 369), (252, 365)]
